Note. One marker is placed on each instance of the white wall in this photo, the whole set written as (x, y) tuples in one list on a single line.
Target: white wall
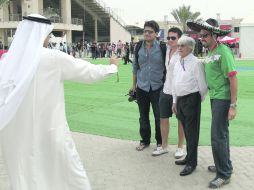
[(246, 47), (2, 35), (117, 32), (246, 42)]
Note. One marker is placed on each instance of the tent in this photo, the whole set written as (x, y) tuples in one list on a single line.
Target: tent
[(2, 52), (247, 37), (228, 39)]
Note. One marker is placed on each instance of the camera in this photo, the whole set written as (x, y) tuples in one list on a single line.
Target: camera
[(132, 96)]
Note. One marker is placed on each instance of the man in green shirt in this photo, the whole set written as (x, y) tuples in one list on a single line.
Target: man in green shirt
[(222, 83)]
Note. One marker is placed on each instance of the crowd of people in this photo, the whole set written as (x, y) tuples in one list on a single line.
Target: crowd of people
[(167, 76), (96, 50)]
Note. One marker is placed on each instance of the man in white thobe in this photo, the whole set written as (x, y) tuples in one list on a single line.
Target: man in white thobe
[(36, 141)]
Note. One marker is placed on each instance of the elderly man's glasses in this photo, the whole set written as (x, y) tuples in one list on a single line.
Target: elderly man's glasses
[(171, 38), (148, 31), (181, 45), (204, 35)]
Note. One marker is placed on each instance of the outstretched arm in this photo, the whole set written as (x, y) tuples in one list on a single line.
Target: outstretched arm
[(83, 71)]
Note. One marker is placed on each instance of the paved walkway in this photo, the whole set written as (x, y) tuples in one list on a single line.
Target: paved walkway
[(114, 164)]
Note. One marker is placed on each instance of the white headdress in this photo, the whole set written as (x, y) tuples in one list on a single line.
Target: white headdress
[(20, 64)]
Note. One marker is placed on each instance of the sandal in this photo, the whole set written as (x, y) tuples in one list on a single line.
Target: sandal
[(141, 146)]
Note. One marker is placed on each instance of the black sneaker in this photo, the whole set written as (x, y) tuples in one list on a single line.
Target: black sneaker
[(218, 182)]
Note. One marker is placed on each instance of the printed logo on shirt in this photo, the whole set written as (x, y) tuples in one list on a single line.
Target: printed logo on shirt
[(212, 58)]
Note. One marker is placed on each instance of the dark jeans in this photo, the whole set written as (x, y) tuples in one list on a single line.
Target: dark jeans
[(220, 137), (127, 59), (144, 99), (188, 112), (94, 56), (119, 52)]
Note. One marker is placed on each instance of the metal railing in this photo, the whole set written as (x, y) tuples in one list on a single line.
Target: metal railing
[(107, 9), (53, 14), (77, 21), (2, 2), (12, 18), (56, 19), (50, 11)]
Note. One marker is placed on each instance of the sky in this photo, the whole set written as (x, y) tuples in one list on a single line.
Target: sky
[(135, 12)]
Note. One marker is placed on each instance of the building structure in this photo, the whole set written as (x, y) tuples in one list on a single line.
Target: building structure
[(164, 26), (136, 32), (90, 20), (247, 37)]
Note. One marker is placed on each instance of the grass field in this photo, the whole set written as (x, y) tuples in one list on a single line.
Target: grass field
[(102, 108)]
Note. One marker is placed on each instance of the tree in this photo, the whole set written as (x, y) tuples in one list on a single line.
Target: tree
[(182, 14)]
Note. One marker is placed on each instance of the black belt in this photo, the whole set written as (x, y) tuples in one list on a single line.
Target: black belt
[(185, 96)]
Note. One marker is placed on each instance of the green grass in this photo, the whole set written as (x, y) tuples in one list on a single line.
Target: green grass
[(102, 108)]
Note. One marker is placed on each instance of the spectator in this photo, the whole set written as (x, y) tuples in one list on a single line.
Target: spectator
[(119, 48), (94, 50), (127, 54), (79, 49), (1, 45)]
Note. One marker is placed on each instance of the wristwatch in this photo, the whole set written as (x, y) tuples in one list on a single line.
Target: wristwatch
[(233, 105)]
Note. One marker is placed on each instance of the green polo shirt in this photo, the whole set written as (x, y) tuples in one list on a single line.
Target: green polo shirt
[(218, 64)]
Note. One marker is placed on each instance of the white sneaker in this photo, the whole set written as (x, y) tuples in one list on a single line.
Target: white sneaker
[(179, 153), (159, 151)]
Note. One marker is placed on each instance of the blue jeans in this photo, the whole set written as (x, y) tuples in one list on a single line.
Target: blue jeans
[(220, 137)]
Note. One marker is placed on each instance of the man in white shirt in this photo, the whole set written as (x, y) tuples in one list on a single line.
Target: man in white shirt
[(189, 89), (166, 98), (36, 141)]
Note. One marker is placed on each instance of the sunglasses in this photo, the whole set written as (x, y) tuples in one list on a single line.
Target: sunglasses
[(204, 35), (171, 37), (181, 46), (148, 31)]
